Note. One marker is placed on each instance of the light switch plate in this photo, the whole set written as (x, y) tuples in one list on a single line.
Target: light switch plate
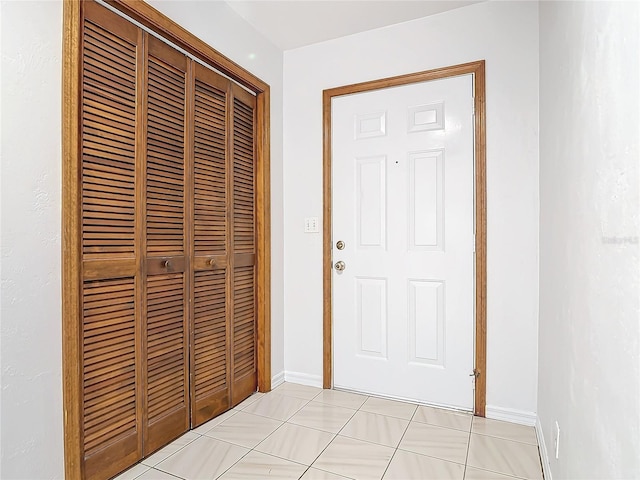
[(311, 225)]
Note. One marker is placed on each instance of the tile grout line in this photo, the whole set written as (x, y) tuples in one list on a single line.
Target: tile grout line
[(395, 451), (466, 458)]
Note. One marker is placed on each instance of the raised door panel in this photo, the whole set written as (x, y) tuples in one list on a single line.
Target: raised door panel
[(166, 335), (210, 360), (243, 346), (110, 341)]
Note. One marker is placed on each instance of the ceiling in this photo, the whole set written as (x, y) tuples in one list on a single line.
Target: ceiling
[(295, 23)]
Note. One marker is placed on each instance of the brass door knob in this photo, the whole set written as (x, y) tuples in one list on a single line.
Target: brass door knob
[(340, 266)]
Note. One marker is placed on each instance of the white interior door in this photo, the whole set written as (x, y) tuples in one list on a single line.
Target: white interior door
[(403, 204)]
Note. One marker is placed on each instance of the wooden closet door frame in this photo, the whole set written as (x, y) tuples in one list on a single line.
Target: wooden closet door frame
[(71, 202)]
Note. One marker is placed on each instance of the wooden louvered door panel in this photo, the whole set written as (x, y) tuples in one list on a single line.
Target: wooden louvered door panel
[(210, 391), (110, 371), (166, 406), (168, 237), (243, 336)]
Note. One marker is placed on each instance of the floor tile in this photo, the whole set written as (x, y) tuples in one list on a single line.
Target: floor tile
[(410, 466), (341, 399), (170, 449), (477, 474), (249, 400), (504, 456), (278, 407), (443, 418), (205, 427), (295, 443), (322, 417), (354, 458), (205, 458), (375, 428), (505, 430), (444, 443), (259, 465), (153, 474), (315, 474), (392, 408), (304, 392), (133, 472), (244, 429)]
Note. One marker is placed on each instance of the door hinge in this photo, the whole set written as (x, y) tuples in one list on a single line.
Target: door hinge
[(474, 243), (473, 106)]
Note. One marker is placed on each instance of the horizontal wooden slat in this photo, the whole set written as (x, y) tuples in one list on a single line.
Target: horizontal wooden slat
[(108, 144), (244, 322), (165, 192), (166, 348), (243, 177), (109, 355), (210, 202), (210, 333), (96, 269)]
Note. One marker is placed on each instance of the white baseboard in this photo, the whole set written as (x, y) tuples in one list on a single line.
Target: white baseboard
[(303, 379), (511, 415), (277, 379), (544, 454)]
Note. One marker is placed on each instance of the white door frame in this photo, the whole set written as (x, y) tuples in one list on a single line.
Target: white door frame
[(477, 69)]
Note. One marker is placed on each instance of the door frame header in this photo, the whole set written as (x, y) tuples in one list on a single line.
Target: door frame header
[(477, 69)]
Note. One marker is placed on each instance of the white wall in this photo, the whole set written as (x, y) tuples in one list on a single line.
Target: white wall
[(31, 409), (505, 34), (589, 339), (31, 329)]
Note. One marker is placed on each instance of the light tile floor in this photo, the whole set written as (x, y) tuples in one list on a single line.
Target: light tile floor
[(304, 432)]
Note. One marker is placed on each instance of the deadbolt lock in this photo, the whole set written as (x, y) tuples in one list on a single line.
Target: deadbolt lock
[(340, 245)]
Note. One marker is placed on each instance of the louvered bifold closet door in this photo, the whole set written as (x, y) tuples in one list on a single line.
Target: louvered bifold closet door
[(166, 307), (111, 422), (243, 337), (210, 331)]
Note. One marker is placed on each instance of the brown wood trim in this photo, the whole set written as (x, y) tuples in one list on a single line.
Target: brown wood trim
[(263, 253), (327, 308), (481, 239), (167, 28), (71, 242), (189, 118), (141, 236), (478, 70), (95, 269)]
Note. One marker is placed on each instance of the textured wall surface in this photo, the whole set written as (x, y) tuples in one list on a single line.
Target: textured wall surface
[(506, 35), (31, 329), (589, 341)]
